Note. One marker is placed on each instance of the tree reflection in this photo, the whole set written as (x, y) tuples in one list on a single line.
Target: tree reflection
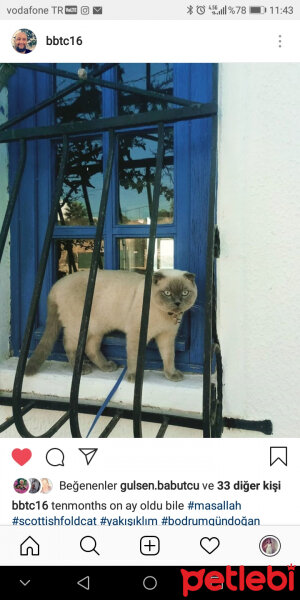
[(136, 170)]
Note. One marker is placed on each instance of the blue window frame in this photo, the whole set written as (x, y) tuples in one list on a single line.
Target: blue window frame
[(187, 228)]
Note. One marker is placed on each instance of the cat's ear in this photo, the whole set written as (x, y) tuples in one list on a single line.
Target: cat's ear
[(190, 277), (157, 276)]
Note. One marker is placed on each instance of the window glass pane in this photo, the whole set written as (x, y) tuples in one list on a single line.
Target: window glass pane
[(75, 255), (137, 157), (83, 181), (83, 178), (134, 251), (154, 77), (84, 103)]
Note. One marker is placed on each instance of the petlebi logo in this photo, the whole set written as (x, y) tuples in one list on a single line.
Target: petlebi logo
[(236, 580)]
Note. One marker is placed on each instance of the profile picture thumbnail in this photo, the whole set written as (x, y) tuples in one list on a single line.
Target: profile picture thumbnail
[(269, 545), (24, 41), (35, 485), (21, 486), (47, 485)]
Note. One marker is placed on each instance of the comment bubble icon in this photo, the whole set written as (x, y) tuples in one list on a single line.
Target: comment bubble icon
[(55, 457)]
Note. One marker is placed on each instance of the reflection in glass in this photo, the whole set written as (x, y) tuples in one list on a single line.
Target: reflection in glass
[(137, 157), (84, 103), (83, 177), (75, 255), (83, 181), (147, 76), (134, 251)]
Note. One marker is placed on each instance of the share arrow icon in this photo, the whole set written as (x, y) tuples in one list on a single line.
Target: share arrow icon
[(88, 453)]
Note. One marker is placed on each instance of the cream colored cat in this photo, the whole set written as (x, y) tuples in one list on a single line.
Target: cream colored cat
[(117, 305)]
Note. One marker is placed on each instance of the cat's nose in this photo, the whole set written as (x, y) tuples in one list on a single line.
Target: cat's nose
[(177, 303)]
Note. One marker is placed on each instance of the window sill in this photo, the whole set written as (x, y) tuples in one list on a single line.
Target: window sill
[(183, 397)]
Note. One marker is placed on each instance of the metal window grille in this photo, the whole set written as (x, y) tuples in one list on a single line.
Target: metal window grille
[(212, 421)]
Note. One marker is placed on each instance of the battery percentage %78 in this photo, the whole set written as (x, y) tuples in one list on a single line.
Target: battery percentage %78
[(235, 10)]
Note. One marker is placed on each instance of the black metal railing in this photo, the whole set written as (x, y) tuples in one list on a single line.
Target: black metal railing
[(212, 420), (137, 402), (17, 389), (74, 423), (13, 197)]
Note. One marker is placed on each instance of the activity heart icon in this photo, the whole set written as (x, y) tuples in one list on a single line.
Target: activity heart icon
[(209, 544), (21, 456)]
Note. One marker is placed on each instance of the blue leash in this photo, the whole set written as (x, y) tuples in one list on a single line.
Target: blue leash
[(106, 401)]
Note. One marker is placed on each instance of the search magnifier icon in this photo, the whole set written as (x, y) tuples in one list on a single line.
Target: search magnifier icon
[(88, 544)]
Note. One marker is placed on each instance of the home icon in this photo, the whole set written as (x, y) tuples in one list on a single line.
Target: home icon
[(29, 546)]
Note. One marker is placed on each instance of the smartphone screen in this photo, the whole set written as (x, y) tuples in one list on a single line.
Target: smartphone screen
[(149, 323)]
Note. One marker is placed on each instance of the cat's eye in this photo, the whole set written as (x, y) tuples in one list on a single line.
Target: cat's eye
[(185, 293), (167, 293)]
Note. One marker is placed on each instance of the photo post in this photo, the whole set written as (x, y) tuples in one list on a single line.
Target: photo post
[(149, 288)]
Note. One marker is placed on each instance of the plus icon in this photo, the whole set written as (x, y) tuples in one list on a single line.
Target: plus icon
[(149, 545)]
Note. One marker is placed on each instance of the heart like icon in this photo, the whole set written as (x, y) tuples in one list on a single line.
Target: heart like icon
[(209, 544), (21, 456)]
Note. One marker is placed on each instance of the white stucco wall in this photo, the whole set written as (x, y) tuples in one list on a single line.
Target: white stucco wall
[(258, 217), (4, 265)]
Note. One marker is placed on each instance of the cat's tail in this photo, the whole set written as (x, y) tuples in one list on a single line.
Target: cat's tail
[(46, 344)]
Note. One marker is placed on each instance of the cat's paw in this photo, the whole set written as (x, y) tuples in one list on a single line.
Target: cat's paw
[(175, 376), (109, 366), (30, 369), (130, 377), (86, 368)]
